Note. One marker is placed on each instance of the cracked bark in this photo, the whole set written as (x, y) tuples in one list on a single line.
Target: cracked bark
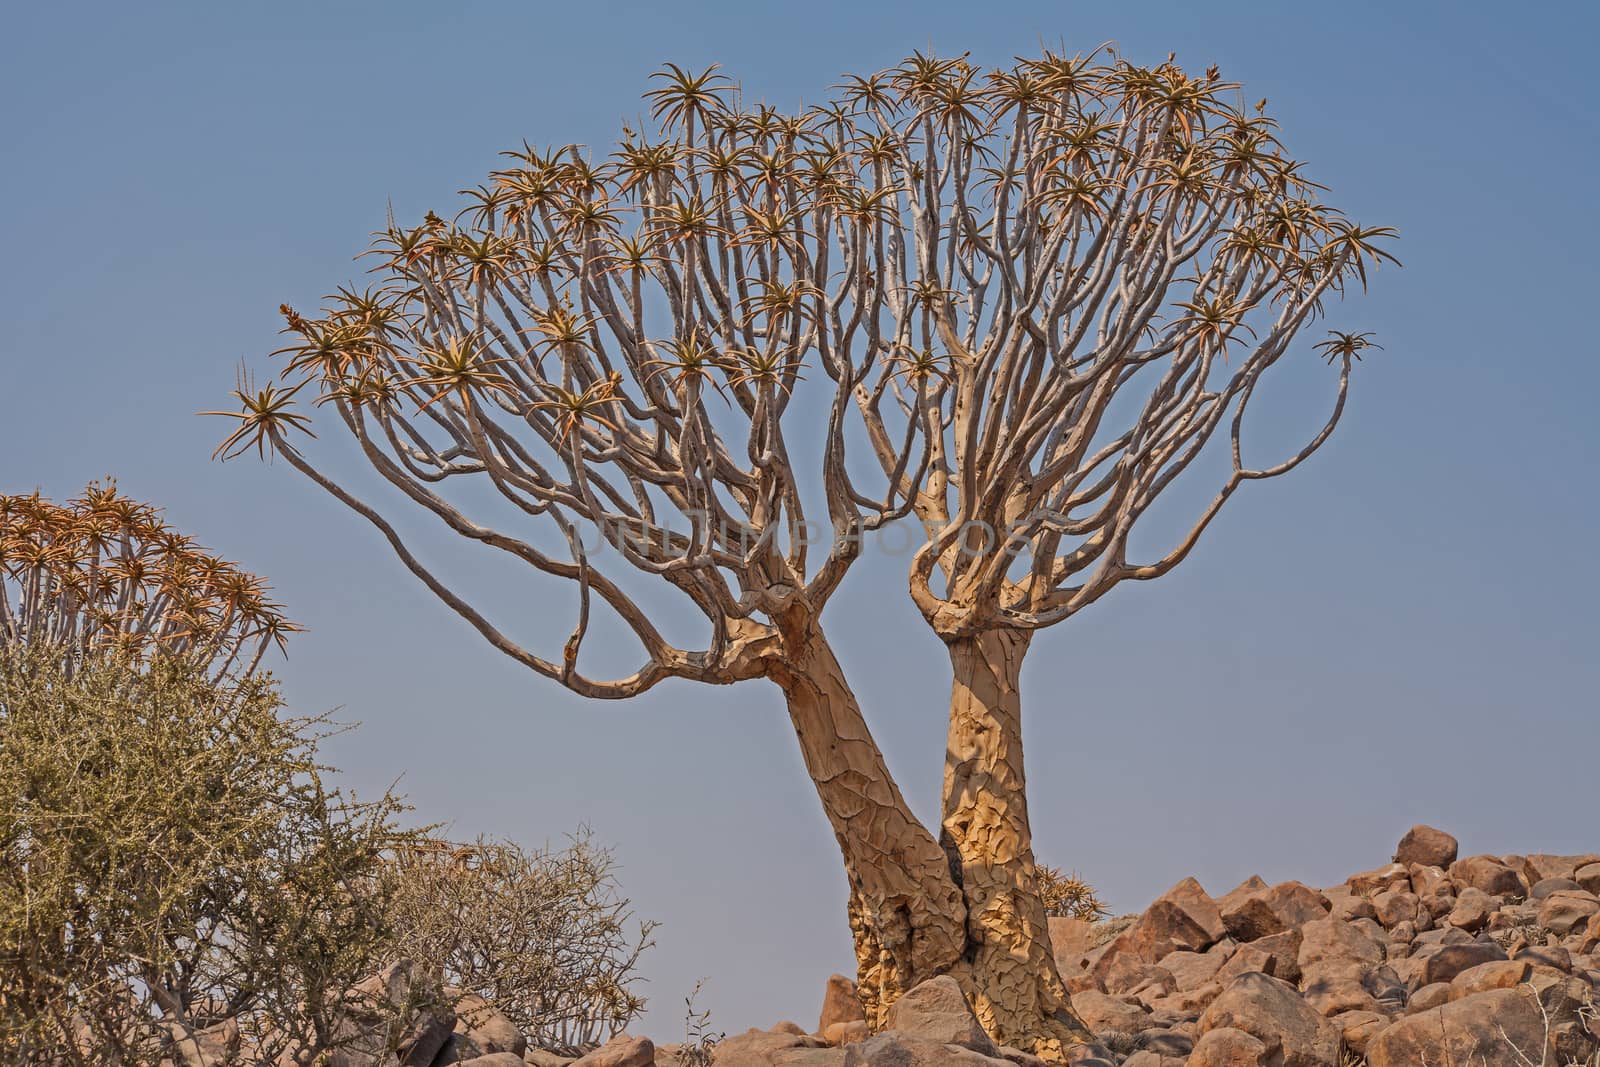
[(1010, 970), (906, 913)]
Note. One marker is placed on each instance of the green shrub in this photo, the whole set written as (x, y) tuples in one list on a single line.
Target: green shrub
[(173, 870)]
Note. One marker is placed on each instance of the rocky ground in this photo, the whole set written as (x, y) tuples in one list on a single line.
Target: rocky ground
[(1432, 959)]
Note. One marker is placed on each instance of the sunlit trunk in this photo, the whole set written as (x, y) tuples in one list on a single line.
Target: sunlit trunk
[(1011, 975)]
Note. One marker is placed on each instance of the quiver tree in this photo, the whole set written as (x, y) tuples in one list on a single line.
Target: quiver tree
[(1109, 260), (103, 575), (954, 272)]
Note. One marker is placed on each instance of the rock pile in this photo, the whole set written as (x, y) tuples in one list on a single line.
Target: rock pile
[(1492, 961), (1430, 959)]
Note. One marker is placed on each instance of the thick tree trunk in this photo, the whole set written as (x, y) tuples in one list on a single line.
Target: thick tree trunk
[(1011, 975), (906, 912)]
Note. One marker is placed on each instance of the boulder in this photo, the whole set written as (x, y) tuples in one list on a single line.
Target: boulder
[(1272, 910), (846, 1033), (1277, 956), (1546, 886), (623, 1050), (1562, 913), (1488, 874), (1447, 962), (488, 1029), (1540, 865), (540, 1057), (1105, 1014), (1396, 906), (1228, 1047), (841, 1003), (1173, 1044), (1184, 918), (1383, 879), (1496, 974), (892, 1048), (1471, 910), (1428, 846), (1546, 956), (496, 1059), (1190, 970), (1358, 1028), (1271, 1011), (1496, 1027), (1348, 906), (1429, 996), (1588, 877), (1329, 940), (937, 1011)]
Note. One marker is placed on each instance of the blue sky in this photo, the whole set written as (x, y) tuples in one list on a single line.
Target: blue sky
[(1403, 631)]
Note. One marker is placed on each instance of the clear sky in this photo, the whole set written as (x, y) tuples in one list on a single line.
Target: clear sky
[(1402, 631)]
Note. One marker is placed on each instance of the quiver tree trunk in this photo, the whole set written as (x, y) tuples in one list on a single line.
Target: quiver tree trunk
[(1010, 970), (906, 912)]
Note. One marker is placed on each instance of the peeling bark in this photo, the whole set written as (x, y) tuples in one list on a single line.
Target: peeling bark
[(1010, 971), (906, 913)]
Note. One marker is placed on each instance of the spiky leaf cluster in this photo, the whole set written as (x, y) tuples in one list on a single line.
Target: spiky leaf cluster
[(952, 271), (103, 574)]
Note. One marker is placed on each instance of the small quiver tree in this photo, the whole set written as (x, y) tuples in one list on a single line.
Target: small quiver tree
[(103, 576)]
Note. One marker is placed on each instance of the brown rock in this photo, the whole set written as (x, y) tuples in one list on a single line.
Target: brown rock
[(1197, 905), (1588, 877), (756, 1048), (787, 1026), (1347, 906), (1273, 910), (1107, 1014), (937, 1010), (544, 1058), (1271, 1010), (1427, 846), (895, 1049), (496, 1059), (1562, 913), (1447, 962), (1171, 1043), (1429, 996), (1228, 1047), (1397, 906), (1471, 911), (1546, 956), (1427, 879), (1383, 879), (845, 1033), (1325, 940), (623, 1050), (1496, 974), (1358, 1028), (1183, 918), (487, 1028), (1191, 970), (1538, 867), (1249, 887), (1277, 956), (1488, 874), (1477, 1029), (841, 1003), (1021, 1058), (1546, 886)]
